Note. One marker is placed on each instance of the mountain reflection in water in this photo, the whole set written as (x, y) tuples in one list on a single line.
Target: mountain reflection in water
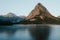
[(40, 32), (28, 32)]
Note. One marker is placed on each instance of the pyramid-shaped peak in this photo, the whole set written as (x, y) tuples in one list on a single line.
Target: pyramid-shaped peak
[(39, 11), (39, 4)]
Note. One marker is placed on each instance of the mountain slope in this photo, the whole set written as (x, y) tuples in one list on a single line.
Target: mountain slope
[(40, 15), (40, 11), (10, 17), (58, 16)]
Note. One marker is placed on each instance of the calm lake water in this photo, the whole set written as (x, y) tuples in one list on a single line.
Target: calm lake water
[(30, 32)]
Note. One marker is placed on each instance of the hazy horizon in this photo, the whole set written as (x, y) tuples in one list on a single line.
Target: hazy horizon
[(24, 7)]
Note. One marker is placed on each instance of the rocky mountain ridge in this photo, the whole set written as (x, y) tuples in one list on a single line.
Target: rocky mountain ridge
[(10, 18), (40, 15)]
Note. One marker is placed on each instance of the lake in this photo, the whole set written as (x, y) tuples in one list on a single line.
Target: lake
[(30, 32)]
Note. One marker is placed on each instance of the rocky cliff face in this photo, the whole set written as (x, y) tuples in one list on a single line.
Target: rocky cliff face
[(39, 11), (40, 15)]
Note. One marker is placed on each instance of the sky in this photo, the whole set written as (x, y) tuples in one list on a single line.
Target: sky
[(24, 7)]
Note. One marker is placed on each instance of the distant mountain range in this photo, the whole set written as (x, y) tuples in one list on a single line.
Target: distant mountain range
[(10, 18), (39, 15), (10, 15)]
